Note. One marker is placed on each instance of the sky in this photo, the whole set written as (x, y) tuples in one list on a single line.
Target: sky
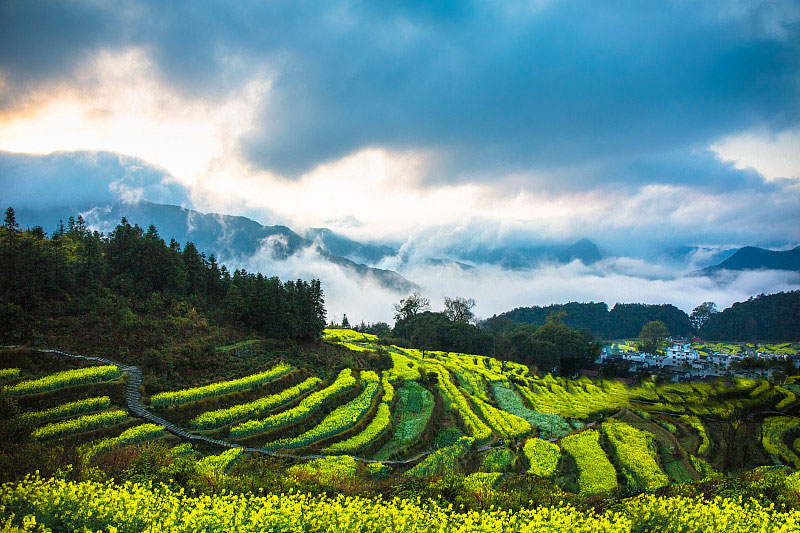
[(432, 125)]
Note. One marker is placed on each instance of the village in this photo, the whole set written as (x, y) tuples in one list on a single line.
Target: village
[(687, 360)]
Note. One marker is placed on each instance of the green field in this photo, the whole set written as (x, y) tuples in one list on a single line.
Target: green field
[(493, 430)]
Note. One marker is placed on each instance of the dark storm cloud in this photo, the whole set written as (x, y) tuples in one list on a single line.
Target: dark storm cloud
[(492, 88), (43, 41), (700, 170)]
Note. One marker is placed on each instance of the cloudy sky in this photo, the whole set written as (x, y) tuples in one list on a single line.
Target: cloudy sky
[(640, 125)]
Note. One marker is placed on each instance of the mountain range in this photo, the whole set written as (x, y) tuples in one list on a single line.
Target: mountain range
[(231, 238), (236, 238), (754, 258)]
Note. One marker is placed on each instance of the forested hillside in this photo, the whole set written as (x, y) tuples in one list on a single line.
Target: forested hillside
[(765, 318), (133, 286), (773, 317), (622, 321)]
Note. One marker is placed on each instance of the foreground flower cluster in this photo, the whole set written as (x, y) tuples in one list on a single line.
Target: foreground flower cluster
[(57, 504)]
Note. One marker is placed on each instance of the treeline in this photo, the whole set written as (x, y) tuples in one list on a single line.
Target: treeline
[(767, 318), (552, 347), (562, 339), (74, 268), (774, 317), (621, 322)]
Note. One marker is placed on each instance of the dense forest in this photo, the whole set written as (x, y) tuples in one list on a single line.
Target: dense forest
[(621, 322), (131, 273), (773, 317), (767, 318)]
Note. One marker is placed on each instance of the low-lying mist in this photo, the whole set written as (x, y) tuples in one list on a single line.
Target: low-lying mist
[(498, 290)]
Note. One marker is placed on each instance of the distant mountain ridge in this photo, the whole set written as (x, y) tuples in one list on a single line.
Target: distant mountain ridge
[(522, 257), (754, 258), (359, 252), (228, 237), (584, 250)]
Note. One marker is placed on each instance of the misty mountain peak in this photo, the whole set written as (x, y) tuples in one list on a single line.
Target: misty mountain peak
[(584, 250)]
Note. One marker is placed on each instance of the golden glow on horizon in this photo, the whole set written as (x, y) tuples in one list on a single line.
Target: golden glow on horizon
[(125, 109)]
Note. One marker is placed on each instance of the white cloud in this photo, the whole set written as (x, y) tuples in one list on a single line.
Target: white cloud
[(360, 299), (126, 193), (774, 155), (497, 290), (119, 104)]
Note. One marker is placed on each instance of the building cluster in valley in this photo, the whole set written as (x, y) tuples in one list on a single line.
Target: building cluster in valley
[(683, 362)]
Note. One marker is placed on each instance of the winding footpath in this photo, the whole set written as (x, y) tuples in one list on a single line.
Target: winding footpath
[(133, 398)]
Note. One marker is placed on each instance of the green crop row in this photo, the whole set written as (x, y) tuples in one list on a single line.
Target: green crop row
[(7, 374), (134, 435), (220, 463), (504, 424), (254, 409), (347, 335), (60, 380), (344, 382), (181, 449), (180, 397), (343, 418), (574, 399), (773, 429), (444, 460), (469, 380), (416, 406), (548, 425), (763, 387), (697, 424), (543, 457), (509, 401), (789, 400), (336, 468), (497, 460), (455, 400), (402, 366), (377, 426), (68, 409), (81, 424)]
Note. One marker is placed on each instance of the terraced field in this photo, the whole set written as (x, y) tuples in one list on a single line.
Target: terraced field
[(589, 436)]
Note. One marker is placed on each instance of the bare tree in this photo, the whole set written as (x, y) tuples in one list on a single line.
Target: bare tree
[(411, 306), (459, 309)]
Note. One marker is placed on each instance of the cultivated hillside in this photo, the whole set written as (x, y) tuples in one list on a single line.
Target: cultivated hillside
[(398, 418)]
